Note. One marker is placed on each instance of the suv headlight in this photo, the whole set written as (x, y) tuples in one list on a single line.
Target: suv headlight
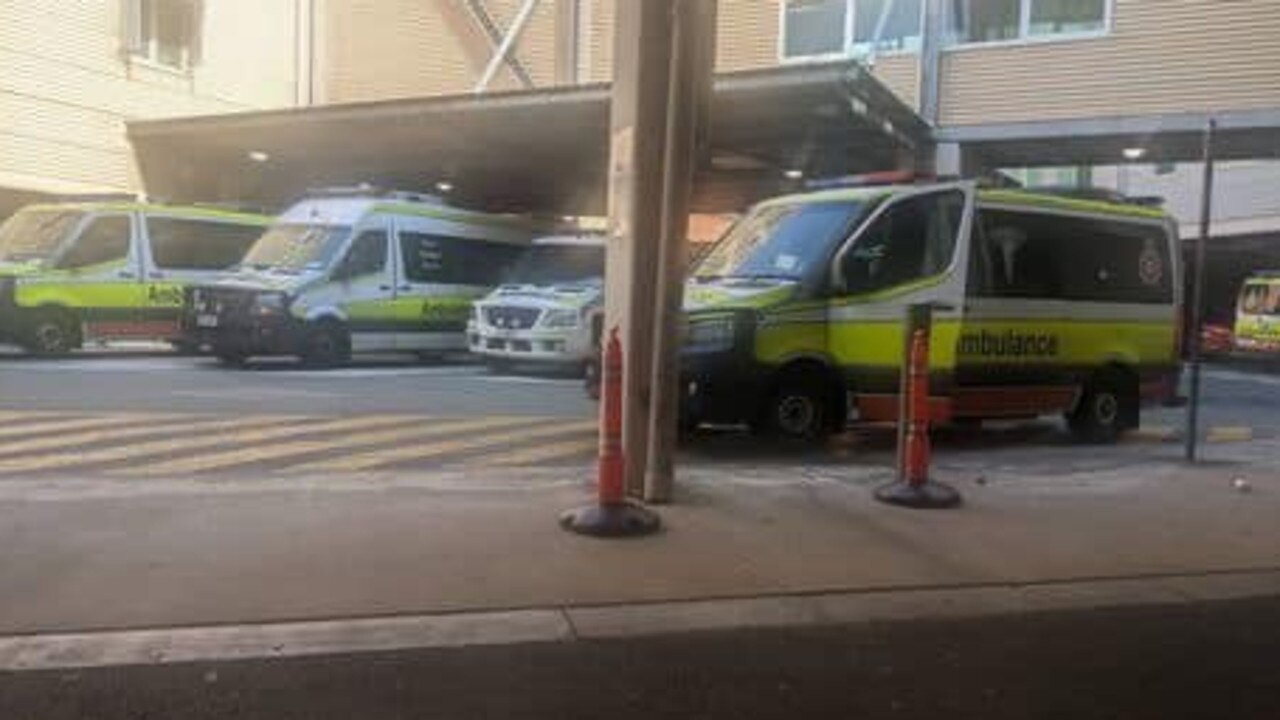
[(560, 319), (710, 334), (269, 304)]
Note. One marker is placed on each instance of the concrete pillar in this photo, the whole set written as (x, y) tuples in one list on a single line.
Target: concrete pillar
[(642, 48), (953, 160), (930, 90), (692, 59)]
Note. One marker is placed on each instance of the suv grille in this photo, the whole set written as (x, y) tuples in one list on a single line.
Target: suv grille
[(512, 318)]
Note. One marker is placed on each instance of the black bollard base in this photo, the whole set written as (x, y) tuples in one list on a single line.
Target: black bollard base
[(620, 520), (929, 495)]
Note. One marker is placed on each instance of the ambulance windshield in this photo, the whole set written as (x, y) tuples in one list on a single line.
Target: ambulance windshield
[(780, 242), (33, 235), (296, 247)]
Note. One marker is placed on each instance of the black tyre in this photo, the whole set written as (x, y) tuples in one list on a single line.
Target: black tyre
[(498, 366), (798, 409), (184, 348), (230, 358), (1106, 409), (52, 333), (327, 345)]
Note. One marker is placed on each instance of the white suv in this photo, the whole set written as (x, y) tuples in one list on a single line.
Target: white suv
[(548, 308)]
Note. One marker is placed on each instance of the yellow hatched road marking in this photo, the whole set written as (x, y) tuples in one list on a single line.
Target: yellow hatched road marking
[(388, 456), (153, 425), (245, 430), (78, 422), (541, 453), (243, 456)]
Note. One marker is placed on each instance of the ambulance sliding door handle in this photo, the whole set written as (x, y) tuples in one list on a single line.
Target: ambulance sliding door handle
[(405, 287), (127, 274), (384, 287)]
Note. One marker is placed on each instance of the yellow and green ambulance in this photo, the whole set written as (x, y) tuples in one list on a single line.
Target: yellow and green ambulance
[(71, 273), (1045, 304), (349, 271), (1257, 327)]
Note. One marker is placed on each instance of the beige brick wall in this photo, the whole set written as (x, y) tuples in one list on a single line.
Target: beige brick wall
[(747, 38), (379, 49), (1162, 56), (66, 91)]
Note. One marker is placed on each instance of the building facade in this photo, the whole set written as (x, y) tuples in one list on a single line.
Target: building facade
[(1001, 61), (73, 73)]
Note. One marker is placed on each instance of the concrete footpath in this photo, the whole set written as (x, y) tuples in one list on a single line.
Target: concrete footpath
[(316, 565)]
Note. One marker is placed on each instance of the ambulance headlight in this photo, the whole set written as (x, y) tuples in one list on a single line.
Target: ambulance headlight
[(269, 304), (560, 319), (710, 334)]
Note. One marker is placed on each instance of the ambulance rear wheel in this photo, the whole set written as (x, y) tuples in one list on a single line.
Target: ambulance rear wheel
[(798, 409), (327, 345), (1105, 409), (53, 332)]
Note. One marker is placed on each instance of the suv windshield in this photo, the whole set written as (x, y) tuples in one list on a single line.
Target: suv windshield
[(296, 247), (780, 241), (557, 265), (35, 234)]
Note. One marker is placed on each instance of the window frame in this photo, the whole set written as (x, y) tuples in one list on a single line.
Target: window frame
[(148, 239), (339, 272), (836, 286), (146, 50), (130, 258), (846, 51), (1172, 269), (1024, 32)]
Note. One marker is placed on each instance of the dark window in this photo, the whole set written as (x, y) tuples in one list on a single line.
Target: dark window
[(165, 31), (367, 255), (813, 27), (978, 21), (913, 239), (181, 244), (104, 240), (458, 261), (1039, 255)]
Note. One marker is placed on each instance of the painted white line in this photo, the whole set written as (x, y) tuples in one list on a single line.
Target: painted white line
[(526, 380), (1243, 377)]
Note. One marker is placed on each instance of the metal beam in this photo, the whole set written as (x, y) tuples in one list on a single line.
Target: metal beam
[(504, 48), (494, 34)]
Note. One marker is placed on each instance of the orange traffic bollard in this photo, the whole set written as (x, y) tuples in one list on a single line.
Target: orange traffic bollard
[(913, 487), (612, 515)]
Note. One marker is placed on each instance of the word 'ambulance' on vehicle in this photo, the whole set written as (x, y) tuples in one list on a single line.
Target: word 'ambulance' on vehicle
[(548, 309), (356, 271), (72, 273), (1045, 304)]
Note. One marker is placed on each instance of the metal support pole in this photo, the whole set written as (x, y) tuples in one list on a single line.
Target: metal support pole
[(508, 41), (1197, 293), (642, 53), (692, 55)]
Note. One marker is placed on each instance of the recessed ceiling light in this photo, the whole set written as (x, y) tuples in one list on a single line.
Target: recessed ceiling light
[(444, 186), (259, 156), (1134, 153), (793, 174)]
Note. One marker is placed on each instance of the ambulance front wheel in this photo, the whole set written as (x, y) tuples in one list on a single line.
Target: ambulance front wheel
[(327, 344), (53, 332), (1107, 407), (800, 408)]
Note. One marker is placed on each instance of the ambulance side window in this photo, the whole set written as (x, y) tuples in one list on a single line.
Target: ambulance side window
[(366, 256), (186, 244), (105, 239), (914, 238), (1038, 255)]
